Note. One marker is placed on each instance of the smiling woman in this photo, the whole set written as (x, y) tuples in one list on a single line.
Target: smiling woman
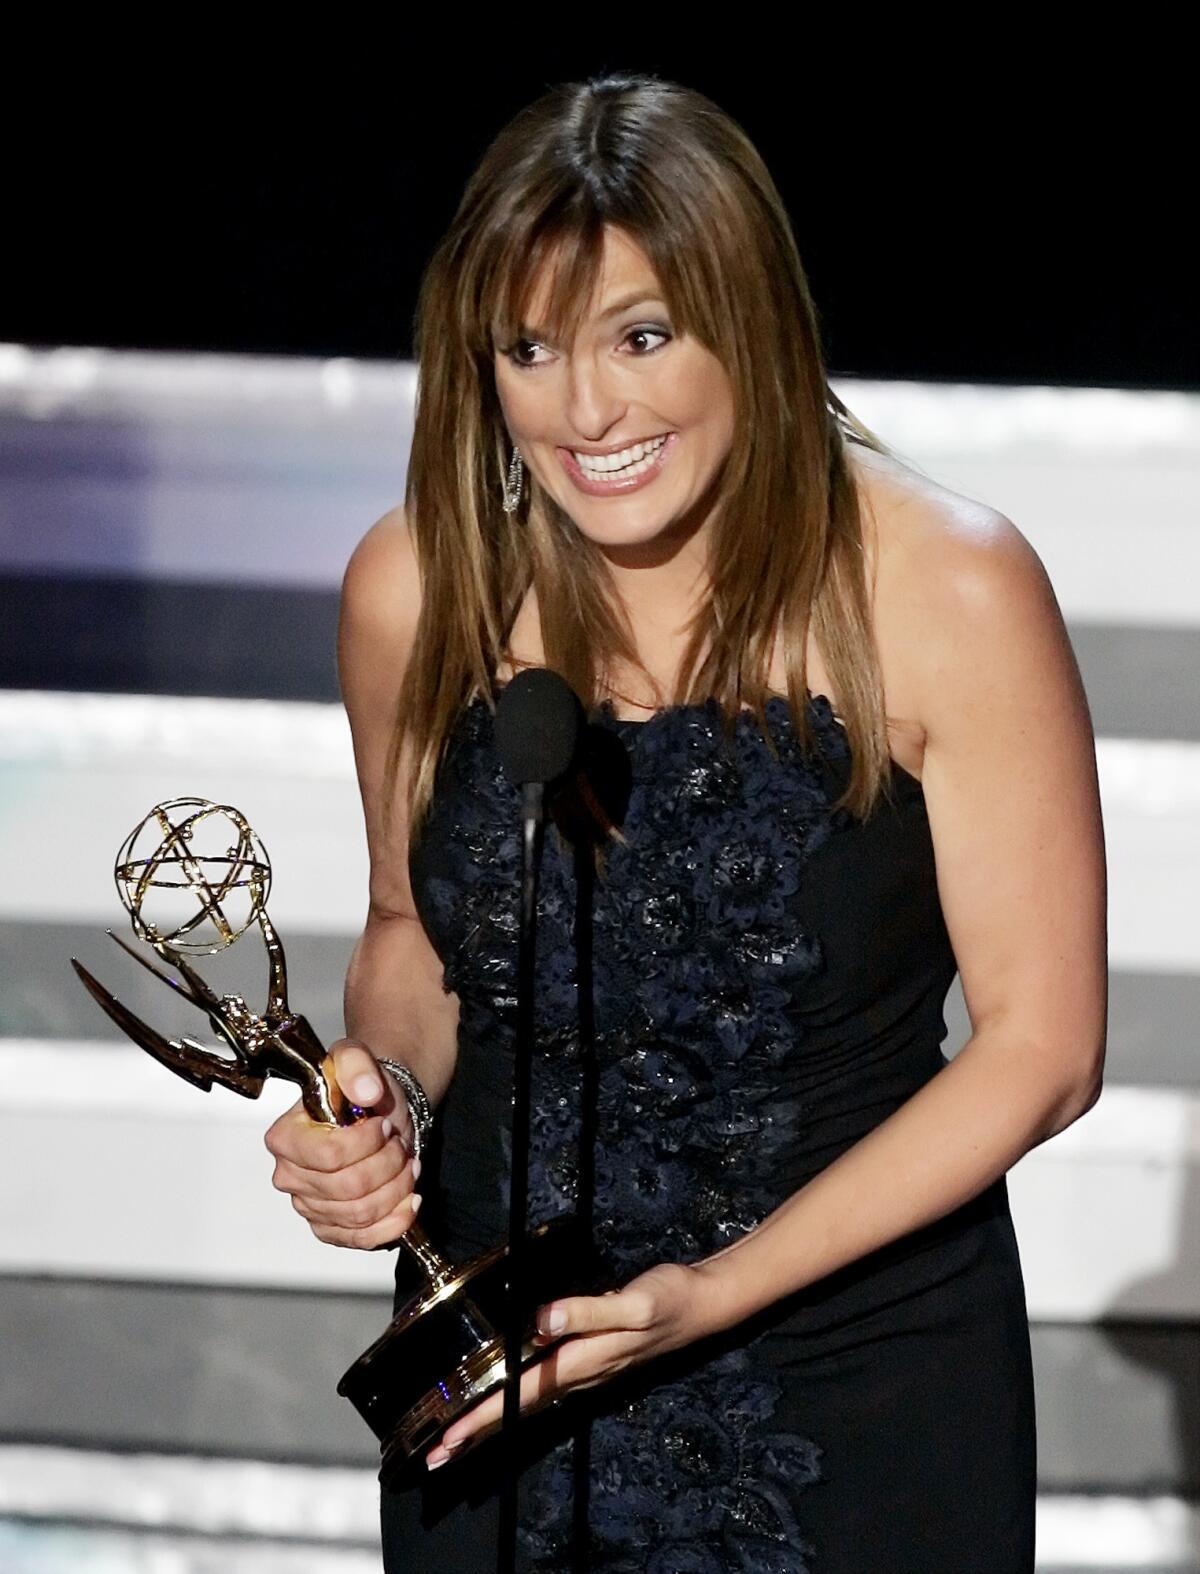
[(624, 323), (806, 1348), (630, 407)]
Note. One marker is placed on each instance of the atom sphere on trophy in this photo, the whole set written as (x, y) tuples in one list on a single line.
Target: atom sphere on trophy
[(193, 876)]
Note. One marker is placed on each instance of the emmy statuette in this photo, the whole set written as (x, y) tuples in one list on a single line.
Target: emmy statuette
[(194, 877)]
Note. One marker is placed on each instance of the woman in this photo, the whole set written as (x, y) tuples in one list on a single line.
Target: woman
[(810, 1350)]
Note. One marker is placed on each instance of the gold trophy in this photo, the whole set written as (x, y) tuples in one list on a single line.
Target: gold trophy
[(194, 877)]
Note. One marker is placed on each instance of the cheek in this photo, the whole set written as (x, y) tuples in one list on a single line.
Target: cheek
[(698, 396), (524, 406)]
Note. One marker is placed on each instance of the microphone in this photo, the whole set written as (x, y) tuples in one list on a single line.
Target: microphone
[(539, 720), (538, 727)]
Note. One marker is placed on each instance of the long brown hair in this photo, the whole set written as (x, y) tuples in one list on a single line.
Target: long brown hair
[(681, 178)]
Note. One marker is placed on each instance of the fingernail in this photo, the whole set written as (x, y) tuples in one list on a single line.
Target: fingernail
[(553, 1321), (436, 1459), (366, 1089), (416, 1201), (386, 1128), (416, 1169)]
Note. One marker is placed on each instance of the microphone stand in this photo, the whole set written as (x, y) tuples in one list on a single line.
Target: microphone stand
[(532, 829)]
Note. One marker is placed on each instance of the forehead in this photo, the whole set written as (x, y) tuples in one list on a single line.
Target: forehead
[(620, 266), (579, 277)]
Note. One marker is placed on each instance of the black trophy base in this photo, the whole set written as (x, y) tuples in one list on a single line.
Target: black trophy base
[(455, 1330)]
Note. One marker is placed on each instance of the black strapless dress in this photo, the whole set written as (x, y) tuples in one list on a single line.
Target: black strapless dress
[(750, 984)]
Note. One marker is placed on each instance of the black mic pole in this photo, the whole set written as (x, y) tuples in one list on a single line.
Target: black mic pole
[(531, 809), (538, 725)]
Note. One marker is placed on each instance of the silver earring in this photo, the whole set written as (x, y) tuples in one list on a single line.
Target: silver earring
[(512, 486)]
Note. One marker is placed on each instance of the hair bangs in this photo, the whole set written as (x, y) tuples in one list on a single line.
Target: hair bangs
[(564, 256)]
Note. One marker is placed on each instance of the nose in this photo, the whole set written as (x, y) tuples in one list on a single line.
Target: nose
[(595, 402)]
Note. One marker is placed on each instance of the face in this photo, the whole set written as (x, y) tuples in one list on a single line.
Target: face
[(628, 427)]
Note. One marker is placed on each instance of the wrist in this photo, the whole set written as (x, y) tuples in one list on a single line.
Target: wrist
[(414, 1100), (723, 1291)]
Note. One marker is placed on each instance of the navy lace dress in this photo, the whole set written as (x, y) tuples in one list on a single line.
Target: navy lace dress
[(750, 984)]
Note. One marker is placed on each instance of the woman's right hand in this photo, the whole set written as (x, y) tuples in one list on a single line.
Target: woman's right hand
[(354, 1184)]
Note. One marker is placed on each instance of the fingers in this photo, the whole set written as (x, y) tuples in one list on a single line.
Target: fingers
[(353, 1183), (632, 1308), (314, 1146), (383, 1230), (369, 1085), (541, 1385), (361, 1076)]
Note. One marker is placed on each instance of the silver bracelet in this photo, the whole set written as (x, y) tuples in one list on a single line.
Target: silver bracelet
[(419, 1108)]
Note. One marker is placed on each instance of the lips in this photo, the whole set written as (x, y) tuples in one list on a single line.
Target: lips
[(608, 485)]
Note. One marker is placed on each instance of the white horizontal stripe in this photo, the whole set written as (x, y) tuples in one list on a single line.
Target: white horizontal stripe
[(228, 1497), (189, 1167), (78, 771), (247, 1498), (1128, 1123), (932, 417), (1104, 1211), (305, 739), (157, 386), (986, 420), (267, 470), (30, 1548), (1114, 1532), (88, 732), (1101, 1210)]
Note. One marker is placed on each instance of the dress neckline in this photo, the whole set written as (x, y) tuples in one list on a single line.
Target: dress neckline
[(682, 707), (689, 705), (778, 703)]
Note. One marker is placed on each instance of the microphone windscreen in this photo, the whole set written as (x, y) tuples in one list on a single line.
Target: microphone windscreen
[(539, 721)]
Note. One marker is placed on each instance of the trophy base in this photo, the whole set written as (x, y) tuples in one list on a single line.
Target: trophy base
[(444, 1329)]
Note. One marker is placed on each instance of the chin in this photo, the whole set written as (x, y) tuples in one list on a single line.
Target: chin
[(622, 519), (624, 532)]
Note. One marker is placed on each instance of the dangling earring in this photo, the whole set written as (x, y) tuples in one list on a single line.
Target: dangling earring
[(512, 486)]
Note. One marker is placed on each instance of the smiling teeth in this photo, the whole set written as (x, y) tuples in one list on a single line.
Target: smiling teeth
[(606, 464)]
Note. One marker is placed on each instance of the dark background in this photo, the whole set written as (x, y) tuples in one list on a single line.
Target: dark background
[(1002, 213)]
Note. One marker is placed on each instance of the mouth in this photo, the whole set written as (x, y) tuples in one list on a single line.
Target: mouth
[(600, 475)]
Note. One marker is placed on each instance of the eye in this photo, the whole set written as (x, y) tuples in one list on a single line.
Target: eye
[(516, 352), (648, 332)]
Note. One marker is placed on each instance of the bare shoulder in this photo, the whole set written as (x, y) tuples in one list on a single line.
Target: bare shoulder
[(917, 526), (380, 605), (960, 595), (973, 639), (382, 584)]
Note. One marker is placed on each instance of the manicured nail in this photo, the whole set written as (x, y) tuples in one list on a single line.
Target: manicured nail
[(416, 1169), (386, 1128), (437, 1458), (416, 1201), (553, 1321), (366, 1089)]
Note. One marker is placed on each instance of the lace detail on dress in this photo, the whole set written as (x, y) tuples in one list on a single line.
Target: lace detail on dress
[(698, 952), (687, 1479)]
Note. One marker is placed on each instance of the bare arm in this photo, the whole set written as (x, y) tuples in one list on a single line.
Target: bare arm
[(1013, 801), (395, 1002), (355, 1185)]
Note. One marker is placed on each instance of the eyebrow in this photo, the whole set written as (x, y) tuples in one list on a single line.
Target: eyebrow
[(633, 298), (622, 304)]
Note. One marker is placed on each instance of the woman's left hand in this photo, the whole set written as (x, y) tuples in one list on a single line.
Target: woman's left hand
[(670, 1305)]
